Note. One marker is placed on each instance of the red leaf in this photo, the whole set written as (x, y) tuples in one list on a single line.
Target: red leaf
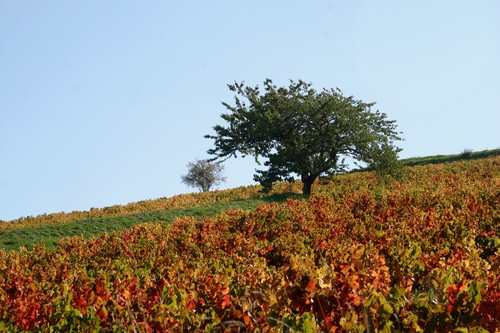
[(191, 305), (226, 301)]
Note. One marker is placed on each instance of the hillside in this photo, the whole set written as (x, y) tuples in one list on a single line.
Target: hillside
[(438, 159), (207, 198), (419, 255), (48, 229)]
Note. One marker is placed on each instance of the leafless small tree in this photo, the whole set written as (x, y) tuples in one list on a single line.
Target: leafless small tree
[(203, 175)]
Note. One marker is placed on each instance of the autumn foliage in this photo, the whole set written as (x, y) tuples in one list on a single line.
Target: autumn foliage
[(420, 255), (178, 201)]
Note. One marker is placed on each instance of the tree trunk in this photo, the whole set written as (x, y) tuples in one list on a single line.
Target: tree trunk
[(307, 184)]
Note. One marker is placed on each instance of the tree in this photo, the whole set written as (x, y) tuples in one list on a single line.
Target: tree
[(204, 174), (301, 131)]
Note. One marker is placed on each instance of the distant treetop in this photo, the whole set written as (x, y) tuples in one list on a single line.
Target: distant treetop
[(204, 175)]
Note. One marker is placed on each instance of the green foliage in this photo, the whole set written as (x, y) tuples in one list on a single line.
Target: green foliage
[(466, 153), (386, 165), (304, 132)]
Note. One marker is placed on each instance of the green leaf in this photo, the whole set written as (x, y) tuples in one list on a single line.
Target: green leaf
[(387, 328), (386, 308), (308, 323)]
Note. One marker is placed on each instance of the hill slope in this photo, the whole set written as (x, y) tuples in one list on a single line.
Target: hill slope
[(47, 229), (208, 198), (417, 255)]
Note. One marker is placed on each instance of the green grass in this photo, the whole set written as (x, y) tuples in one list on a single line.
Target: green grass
[(437, 159), (51, 234)]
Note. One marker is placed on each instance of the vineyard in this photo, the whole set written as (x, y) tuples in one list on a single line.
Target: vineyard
[(179, 201), (418, 255)]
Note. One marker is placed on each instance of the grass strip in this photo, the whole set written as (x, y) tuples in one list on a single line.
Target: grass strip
[(438, 159), (51, 234)]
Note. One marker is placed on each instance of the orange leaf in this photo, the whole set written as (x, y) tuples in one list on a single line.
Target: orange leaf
[(311, 285), (246, 319), (102, 313), (226, 301), (355, 299)]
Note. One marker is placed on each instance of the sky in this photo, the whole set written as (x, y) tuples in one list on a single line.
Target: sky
[(105, 102)]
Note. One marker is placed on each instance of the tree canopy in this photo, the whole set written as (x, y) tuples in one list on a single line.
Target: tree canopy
[(301, 131), (203, 175)]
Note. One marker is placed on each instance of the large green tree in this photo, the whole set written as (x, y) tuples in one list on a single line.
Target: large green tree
[(301, 131)]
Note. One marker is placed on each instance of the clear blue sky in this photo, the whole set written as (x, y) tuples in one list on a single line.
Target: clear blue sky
[(105, 102)]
